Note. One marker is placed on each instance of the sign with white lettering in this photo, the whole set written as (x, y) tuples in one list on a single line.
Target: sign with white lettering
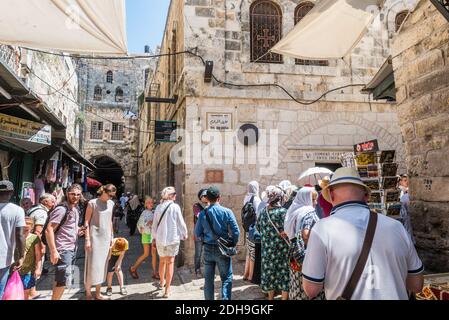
[(219, 121), (323, 156), (24, 130), (164, 131), (369, 146)]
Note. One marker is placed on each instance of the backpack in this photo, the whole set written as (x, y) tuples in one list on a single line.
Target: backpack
[(32, 210), (248, 215), (63, 221)]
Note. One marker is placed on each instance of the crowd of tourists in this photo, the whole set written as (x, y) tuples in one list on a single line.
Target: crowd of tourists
[(311, 242), (307, 242)]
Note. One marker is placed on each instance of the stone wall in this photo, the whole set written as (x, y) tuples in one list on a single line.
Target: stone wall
[(420, 62), (129, 75)]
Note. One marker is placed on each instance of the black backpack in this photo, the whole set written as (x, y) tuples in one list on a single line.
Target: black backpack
[(63, 221), (248, 215)]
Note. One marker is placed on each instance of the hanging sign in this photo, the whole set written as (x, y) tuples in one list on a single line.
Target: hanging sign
[(369, 146), (164, 131), (24, 130)]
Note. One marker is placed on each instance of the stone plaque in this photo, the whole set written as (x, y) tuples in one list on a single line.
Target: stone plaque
[(323, 156), (219, 121), (214, 176)]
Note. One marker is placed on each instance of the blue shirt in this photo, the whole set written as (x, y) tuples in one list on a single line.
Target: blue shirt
[(221, 218)]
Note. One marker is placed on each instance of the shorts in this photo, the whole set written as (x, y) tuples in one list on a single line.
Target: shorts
[(63, 268), (167, 251), (112, 262), (28, 280), (147, 238)]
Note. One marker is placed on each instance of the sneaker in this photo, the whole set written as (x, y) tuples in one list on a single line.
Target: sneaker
[(109, 292), (123, 291)]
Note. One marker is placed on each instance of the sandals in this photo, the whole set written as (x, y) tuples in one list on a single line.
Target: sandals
[(133, 273)]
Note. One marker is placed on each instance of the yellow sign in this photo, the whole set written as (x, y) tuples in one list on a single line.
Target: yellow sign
[(25, 130)]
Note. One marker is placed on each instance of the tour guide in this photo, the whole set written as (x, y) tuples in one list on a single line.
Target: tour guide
[(221, 219)]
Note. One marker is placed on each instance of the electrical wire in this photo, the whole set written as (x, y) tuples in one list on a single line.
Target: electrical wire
[(224, 83)]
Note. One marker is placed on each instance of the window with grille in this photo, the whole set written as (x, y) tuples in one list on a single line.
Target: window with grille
[(266, 31), (98, 93), (96, 130), (109, 77), (119, 95), (300, 12), (400, 17), (117, 132)]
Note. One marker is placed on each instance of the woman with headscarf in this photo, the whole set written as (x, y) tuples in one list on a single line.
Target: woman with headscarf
[(134, 209), (300, 219), (252, 236), (270, 224)]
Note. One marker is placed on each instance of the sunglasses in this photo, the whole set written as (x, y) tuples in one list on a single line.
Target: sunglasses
[(75, 194)]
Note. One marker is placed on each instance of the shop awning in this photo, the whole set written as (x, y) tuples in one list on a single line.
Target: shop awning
[(330, 30), (382, 86), (75, 26), (71, 152)]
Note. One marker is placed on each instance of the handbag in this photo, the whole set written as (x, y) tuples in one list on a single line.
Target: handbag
[(226, 247), (361, 262), (14, 288), (296, 253)]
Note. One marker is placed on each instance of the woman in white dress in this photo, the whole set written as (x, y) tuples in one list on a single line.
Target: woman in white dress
[(98, 240)]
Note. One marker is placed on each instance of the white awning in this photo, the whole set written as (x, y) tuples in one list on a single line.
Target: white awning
[(74, 26), (330, 30)]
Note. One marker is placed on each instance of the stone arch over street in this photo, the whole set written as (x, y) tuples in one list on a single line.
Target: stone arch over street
[(320, 122), (109, 170)]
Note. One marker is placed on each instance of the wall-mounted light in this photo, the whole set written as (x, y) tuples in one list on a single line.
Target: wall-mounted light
[(208, 71)]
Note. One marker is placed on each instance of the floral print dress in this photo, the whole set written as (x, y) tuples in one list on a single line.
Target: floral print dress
[(275, 268)]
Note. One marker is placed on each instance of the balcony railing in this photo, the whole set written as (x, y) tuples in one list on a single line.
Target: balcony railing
[(10, 57)]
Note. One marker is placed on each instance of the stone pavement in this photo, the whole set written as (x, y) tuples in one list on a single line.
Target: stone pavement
[(185, 284)]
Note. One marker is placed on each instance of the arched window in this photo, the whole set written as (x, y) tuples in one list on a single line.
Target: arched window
[(300, 12), (98, 93), (266, 31), (119, 95), (399, 20), (109, 77)]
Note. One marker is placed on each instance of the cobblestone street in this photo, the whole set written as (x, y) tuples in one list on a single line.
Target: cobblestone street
[(185, 285)]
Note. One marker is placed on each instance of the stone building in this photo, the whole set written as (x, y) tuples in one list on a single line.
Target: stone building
[(236, 35), (109, 91), (420, 62)]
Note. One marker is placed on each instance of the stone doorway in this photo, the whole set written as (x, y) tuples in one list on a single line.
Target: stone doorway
[(109, 171)]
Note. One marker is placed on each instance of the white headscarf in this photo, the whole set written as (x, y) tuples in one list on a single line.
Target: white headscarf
[(285, 185), (253, 190), (301, 206)]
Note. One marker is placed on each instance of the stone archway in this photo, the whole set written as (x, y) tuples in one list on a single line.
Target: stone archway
[(324, 119), (108, 171)]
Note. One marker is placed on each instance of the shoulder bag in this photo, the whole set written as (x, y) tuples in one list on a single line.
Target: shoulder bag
[(227, 247)]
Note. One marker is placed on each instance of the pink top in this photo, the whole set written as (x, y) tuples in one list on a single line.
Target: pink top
[(326, 206)]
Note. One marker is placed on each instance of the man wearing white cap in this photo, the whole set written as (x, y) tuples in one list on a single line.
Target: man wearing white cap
[(12, 239), (390, 266)]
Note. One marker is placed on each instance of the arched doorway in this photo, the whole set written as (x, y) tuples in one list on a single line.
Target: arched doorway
[(109, 171)]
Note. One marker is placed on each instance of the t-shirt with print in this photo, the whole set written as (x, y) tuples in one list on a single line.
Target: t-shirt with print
[(11, 217), (29, 262), (335, 244), (67, 234)]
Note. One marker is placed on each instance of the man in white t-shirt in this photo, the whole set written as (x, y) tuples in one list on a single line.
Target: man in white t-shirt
[(39, 213), (393, 266), (12, 239)]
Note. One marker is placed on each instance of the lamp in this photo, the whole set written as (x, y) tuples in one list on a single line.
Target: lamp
[(208, 71)]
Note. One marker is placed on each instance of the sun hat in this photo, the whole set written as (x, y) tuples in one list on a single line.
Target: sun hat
[(343, 176), (323, 183)]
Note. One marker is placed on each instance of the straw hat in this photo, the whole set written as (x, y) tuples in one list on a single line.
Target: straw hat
[(323, 183), (341, 176)]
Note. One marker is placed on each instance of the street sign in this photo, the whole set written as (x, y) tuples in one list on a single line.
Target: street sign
[(164, 131), (369, 146)]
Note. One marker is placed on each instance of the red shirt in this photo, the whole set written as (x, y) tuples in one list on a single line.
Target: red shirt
[(326, 206)]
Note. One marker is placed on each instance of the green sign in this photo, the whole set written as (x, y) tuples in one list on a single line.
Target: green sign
[(164, 131)]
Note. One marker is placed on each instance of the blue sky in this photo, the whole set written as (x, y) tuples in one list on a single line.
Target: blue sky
[(145, 23)]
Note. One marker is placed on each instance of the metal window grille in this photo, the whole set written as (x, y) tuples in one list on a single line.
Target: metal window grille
[(98, 93), (96, 130), (109, 77), (300, 12), (442, 6), (117, 132), (266, 31)]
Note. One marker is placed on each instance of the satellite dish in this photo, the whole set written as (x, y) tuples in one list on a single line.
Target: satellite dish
[(248, 134)]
